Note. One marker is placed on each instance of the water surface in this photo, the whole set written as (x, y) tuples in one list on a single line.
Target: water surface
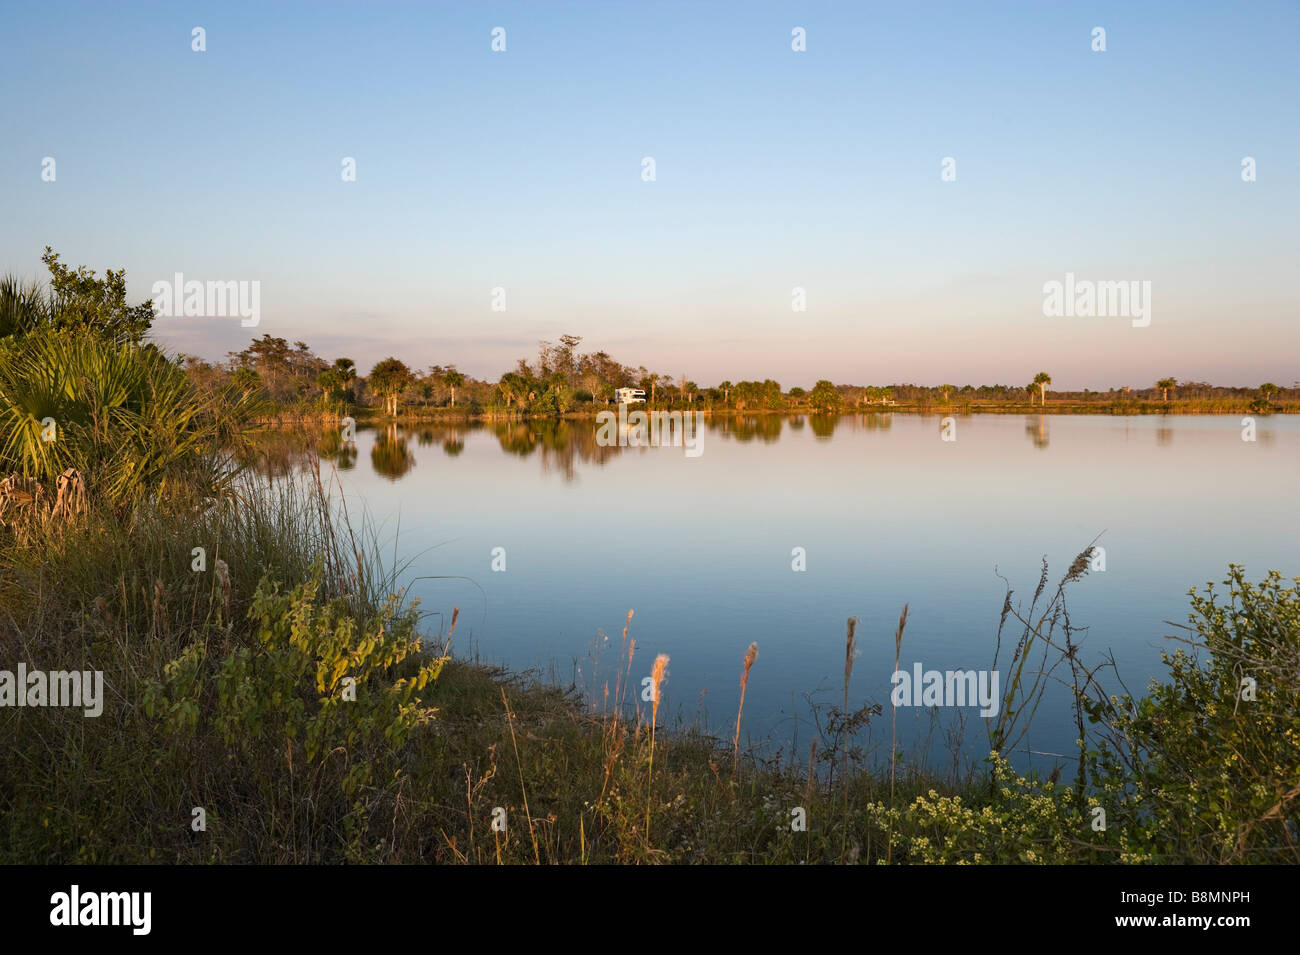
[(886, 512)]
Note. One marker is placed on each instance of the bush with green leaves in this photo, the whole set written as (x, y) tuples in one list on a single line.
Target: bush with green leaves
[(1025, 821), (1206, 768), (337, 700), (824, 397), (553, 402), (76, 300)]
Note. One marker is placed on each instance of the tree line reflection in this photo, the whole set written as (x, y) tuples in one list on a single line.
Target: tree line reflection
[(559, 444)]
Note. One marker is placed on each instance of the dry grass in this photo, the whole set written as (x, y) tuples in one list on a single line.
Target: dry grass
[(750, 656)]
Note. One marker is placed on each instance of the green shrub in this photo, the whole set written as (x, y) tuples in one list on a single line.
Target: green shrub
[(1026, 821), (340, 700), (1197, 771)]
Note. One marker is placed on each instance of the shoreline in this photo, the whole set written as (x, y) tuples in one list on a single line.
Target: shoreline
[(373, 416)]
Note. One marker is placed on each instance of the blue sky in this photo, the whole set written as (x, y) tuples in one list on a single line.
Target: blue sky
[(775, 169)]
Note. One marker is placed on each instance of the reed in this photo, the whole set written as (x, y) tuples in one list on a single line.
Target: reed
[(613, 738), (850, 654), (523, 791), (750, 656), (620, 693), (893, 730), (657, 674)]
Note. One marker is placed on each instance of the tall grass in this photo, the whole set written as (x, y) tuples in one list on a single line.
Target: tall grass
[(750, 656), (657, 674)]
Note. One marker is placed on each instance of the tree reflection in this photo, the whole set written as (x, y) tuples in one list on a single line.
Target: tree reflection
[(559, 444), (332, 447), (1036, 429), (745, 427), (823, 425), (390, 456)]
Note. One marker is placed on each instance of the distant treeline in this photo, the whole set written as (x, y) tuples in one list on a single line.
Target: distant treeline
[(562, 380), (290, 380)]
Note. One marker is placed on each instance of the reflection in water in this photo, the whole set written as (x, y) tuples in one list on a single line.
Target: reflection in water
[(823, 425), (452, 441), (333, 448), (280, 453), (561, 445), (1036, 428), (390, 456), (516, 437), (742, 427)]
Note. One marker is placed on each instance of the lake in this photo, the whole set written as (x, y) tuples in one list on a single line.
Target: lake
[(886, 511)]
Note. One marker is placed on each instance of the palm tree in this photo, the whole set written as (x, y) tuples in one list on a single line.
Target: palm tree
[(511, 386), (725, 388), (1042, 380), (346, 370), (454, 380), (327, 381), (126, 417), (1164, 384), (1266, 389)]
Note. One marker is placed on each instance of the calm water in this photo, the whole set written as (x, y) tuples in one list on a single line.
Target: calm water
[(887, 513)]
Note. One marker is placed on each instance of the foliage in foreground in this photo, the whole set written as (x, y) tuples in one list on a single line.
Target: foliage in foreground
[(1207, 766), (122, 414)]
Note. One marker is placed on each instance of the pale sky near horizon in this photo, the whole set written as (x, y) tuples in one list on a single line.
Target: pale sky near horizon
[(774, 169)]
